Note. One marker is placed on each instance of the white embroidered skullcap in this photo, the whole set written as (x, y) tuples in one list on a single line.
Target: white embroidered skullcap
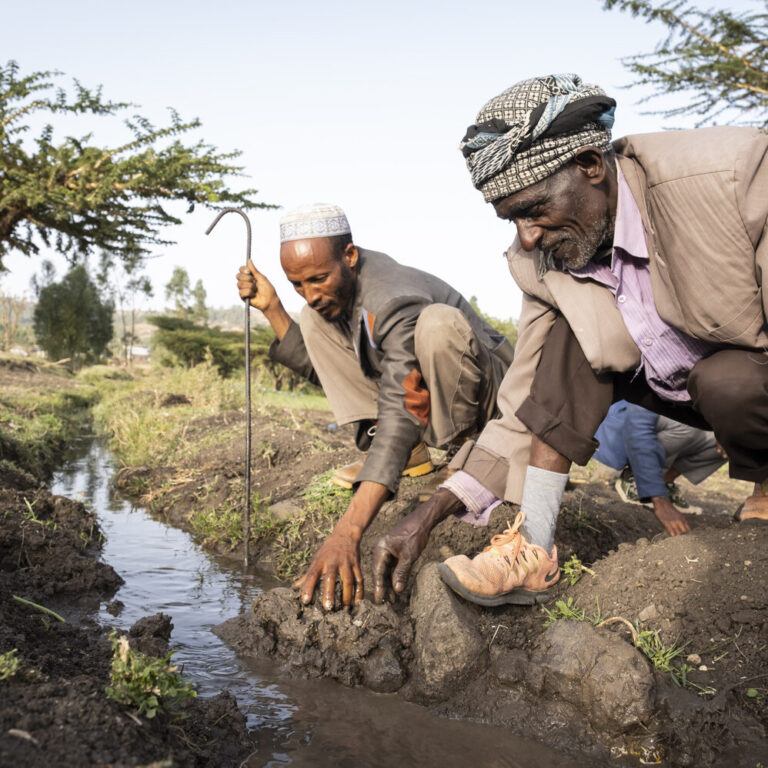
[(313, 220)]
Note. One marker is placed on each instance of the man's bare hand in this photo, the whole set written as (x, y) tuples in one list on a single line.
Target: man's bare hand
[(338, 558), (255, 287), (669, 516), (397, 551)]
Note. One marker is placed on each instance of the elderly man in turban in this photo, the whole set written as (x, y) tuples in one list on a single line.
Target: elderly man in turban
[(644, 269), (398, 352)]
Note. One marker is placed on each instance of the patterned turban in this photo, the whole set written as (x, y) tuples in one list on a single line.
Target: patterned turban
[(532, 130)]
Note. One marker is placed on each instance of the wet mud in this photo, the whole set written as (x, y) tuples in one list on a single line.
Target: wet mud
[(53, 709), (586, 690)]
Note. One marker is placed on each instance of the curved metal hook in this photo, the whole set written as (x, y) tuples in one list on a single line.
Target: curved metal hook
[(247, 225), (248, 436)]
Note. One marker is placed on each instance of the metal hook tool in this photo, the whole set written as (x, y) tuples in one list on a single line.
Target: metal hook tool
[(247, 508)]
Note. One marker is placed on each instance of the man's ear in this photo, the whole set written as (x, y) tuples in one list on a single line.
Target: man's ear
[(591, 162), (350, 255)]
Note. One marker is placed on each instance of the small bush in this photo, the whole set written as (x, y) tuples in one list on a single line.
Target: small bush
[(147, 683)]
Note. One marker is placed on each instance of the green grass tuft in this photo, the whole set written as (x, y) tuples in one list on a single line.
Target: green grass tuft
[(147, 683)]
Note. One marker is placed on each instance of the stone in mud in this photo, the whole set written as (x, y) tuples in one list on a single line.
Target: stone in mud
[(508, 665), (382, 671), (605, 677), (448, 649), (151, 634), (285, 510)]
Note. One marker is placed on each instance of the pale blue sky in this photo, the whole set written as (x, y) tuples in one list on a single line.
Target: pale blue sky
[(354, 103)]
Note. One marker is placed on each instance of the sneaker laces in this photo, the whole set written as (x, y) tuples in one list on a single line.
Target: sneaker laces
[(523, 556), (510, 535)]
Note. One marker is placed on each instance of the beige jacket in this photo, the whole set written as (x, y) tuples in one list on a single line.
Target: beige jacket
[(703, 198)]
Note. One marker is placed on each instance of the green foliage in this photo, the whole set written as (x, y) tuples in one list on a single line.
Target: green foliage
[(143, 431), (71, 320), (188, 302), (76, 195), (718, 58), (11, 310), (564, 609), (37, 606), (191, 344), (146, 683), (573, 569), (661, 656), (219, 525), (126, 285), (508, 327), (9, 664), (323, 504)]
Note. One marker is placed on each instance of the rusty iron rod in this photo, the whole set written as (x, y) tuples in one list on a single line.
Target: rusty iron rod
[(247, 507)]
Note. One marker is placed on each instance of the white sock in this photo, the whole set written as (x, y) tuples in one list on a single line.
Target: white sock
[(542, 494)]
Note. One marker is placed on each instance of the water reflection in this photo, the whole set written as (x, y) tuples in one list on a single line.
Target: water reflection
[(296, 722)]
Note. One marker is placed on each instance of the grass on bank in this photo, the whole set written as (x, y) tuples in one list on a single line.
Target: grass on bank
[(148, 428), (292, 540), (39, 416)]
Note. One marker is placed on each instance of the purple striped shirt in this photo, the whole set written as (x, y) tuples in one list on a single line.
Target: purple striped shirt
[(667, 355)]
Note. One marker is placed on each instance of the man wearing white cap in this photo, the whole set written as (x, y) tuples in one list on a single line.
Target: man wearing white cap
[(398, 352)]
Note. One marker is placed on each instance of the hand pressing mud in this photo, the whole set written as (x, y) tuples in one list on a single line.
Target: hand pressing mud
[(339, 557), (669, 516), (395, 553)]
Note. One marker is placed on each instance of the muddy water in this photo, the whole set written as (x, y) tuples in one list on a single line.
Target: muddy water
[(296, 722)]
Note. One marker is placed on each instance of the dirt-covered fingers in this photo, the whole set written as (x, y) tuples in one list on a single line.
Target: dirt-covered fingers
[(382, 564), (329, 587), (351, 584), (306, 584)]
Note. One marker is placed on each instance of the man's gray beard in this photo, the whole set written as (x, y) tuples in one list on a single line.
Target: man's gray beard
[(586, 248)]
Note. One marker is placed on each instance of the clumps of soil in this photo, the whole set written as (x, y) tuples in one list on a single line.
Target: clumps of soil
[(174, 399), (53, 708), (585, 690)]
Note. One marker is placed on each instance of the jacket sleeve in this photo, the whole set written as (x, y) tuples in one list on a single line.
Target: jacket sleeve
[(403, 399), (645, 453), (291, 352)]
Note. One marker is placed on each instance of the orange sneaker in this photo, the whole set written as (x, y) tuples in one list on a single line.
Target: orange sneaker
[(508, 570), (754, 510)]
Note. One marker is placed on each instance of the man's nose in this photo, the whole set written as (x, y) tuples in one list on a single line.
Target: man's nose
[(312, 295), (529, 234)]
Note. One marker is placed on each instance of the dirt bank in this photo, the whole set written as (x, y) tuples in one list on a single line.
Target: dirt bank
[(694, 603), (53, 674)]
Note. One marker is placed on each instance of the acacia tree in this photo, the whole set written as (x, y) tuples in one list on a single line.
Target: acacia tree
[(718, 57), (76, 196)]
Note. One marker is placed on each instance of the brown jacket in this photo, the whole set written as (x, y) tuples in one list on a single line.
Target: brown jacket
[(703, 198)]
